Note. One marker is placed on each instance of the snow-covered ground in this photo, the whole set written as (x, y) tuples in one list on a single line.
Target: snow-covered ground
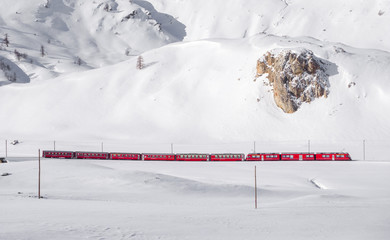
[(184, 200), (68, 80)]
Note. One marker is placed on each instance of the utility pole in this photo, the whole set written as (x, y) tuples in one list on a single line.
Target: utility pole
[(254, 146), (364, 150), (54, 145), (171, 148), (39, 173), (255, 189), (102, 146)]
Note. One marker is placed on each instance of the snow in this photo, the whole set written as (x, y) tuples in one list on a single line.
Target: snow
[(85, 199), (198, 84), (174, 100), (197, 91)]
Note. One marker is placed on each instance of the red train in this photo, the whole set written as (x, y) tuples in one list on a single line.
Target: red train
[(337, 156)]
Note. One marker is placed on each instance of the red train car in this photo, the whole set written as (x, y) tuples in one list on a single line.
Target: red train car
[(57, 154), (158, 157), (92, 155), (297, 157), (192, 157), (333, 157), (263, 157), (125, 156), (227, 157)]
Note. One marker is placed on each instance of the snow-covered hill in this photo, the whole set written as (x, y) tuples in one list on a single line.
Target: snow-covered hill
[(198, 83)]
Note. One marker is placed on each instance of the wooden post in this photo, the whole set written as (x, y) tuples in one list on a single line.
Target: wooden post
[(364, 150), (39, 173), (255, 189)]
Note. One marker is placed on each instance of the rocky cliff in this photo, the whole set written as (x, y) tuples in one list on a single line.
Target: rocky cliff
[(296, 76)]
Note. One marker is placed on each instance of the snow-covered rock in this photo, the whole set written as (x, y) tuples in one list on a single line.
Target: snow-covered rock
[(296, 77)]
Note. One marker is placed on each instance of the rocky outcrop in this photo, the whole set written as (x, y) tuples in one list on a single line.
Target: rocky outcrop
[(296, 77)]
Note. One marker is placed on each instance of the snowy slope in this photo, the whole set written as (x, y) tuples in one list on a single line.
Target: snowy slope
[(71, 30), (178, 98), (86, 85), (360, 24)]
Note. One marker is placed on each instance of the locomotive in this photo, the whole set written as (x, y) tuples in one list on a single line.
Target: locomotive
[(332, 156)]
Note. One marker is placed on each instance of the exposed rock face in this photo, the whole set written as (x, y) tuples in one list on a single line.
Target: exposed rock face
[(296, 77)]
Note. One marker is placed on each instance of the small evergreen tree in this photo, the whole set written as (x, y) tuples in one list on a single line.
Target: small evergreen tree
[(17, 54), (42, 51), (140, 62), (6, 41)]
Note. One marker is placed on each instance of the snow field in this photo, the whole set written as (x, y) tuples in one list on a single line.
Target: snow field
[(155, 200)]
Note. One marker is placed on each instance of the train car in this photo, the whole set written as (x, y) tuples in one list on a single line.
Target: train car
[(125, 156), (227, 157), (192, 157), (332, 157), (158, 157), (297, 157), (263, 157), (57, 154), (92, 155)]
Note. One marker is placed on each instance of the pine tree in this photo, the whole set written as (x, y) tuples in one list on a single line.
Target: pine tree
[(6, 41), (42, 51), (140, 62)]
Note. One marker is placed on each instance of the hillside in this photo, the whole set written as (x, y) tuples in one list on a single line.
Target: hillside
[(198, 83)]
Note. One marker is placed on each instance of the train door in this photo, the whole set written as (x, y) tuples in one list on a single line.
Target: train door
[(300, 157), (262, 157), (332, 157)]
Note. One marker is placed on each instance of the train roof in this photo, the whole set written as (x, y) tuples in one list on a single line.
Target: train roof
[(158, 153), (226, 153), (263, 153), (57, 151), (192, 153), (92, 152), (124, 153)]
